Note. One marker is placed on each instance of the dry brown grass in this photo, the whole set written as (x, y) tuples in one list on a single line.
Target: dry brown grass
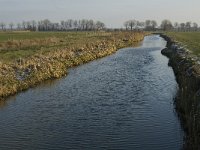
[(19, 74)]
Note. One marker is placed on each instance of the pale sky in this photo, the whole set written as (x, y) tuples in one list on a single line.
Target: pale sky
[(112, 12)]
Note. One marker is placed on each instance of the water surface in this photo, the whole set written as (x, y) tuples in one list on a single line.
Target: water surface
[(123, 101)]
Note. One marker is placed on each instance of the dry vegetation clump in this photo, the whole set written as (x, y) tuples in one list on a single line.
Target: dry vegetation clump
[(18, 73)]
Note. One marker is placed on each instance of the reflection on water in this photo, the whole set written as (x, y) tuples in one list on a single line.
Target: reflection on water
[(124, 101)]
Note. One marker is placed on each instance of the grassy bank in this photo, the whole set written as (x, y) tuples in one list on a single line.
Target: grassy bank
[(187, 102), (190, 40), (29, 58)]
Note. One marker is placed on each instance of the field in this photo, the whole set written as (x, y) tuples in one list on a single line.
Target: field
[(190, 40), (28, 58), (15, 45)]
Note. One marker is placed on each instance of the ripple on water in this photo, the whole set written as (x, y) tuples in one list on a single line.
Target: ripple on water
[(123, 101)]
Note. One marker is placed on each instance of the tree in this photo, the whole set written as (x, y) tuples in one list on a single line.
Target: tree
[(83, 24), (148, 24), (62, 25), (182, 25), (188, 26), (140, 24), (100, 25), (70, 23), (153, 24), (195, 26), (24, 25), (11, 26), (28, 25), (176, 25), (19, 26), (166, 25), (34, 25), (75, 24), (46, 24), (3, 25), (126, 24), (91, 24), (131, 24)]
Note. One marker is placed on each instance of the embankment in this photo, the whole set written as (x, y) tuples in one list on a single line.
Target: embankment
[(187, 71), (27, 72)]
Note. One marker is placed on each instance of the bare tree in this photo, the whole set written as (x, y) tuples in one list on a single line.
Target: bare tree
[(182, 26), (3, 25), (19, 26), (166, 25), (148, 24), (75, 24), (141, 24), (83, 24), (11, 25), (62, 25), (153, 24), (126, 24), (46, 24), (70, 23), (195, 26), (100, 25), (188, 25), (176, 26), (24, 25), (34, 25), (28, 25), (91, 25), (132, 24)]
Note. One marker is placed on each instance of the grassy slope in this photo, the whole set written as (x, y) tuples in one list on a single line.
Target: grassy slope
[(189, 39), (29, 58), (15, 45)]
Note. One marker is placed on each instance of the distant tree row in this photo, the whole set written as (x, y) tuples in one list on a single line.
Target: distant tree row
[(90, 25), (151, 25), (47, 25), (134, 24), (188, 26)]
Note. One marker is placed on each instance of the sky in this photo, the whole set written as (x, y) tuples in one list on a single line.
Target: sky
[(112, 12)]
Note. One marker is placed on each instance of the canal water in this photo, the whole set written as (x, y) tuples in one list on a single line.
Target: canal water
[(123, 101)]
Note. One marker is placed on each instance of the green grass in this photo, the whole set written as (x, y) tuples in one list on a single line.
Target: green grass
[(15, 45), (191, 40), (4, 36)]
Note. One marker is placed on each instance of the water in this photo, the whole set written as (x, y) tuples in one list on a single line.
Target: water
[(123, 101)]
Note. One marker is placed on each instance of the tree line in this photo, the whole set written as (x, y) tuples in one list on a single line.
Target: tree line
[(90, 25), (187, 26), (166, 25), (47, 25), (134, 24), (151, 25)]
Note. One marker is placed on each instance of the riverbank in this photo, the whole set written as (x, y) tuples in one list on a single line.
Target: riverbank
[(122, 101), (186, 67), (25, 63)]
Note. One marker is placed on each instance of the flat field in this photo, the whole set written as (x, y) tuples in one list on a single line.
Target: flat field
[(15, 45), (191, 40)]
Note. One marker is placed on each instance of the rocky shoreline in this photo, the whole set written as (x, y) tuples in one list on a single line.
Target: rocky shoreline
[(187, 102)]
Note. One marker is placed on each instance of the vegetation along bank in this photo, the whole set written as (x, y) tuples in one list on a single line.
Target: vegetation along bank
[(28, 58), (183, 51)]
